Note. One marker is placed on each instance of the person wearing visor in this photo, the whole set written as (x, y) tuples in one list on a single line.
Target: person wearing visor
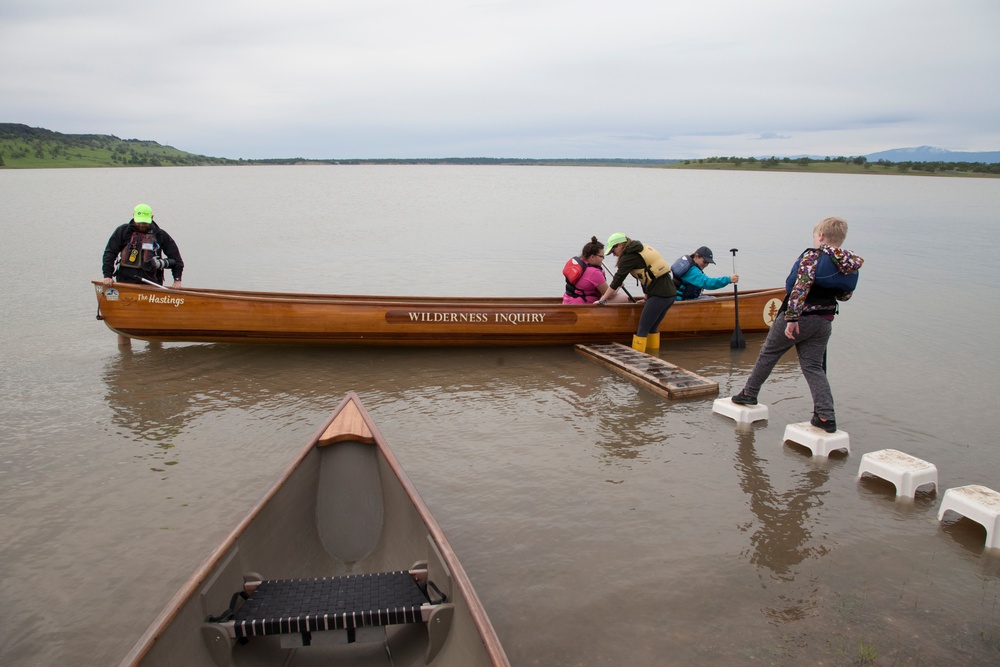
[(689, 275), (653, 273), (140, 251)]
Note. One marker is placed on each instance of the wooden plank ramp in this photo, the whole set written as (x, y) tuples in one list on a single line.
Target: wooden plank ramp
[(651, 372)]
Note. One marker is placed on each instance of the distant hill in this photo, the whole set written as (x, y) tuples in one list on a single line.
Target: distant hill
[(932, 154), (32, 147), (918, 154)]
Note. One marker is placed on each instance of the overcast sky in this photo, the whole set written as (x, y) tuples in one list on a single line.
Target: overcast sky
[(508, 78)]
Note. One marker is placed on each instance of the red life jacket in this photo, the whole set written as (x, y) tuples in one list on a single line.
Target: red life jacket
[(573, 271)]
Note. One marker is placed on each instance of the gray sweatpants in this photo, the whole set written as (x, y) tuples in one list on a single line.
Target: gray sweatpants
[(810, 344)]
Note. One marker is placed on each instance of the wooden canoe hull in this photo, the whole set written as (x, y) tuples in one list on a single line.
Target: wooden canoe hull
[(227, 316), (343, 506)]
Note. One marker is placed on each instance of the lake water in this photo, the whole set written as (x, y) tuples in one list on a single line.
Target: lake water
[(601, 524)]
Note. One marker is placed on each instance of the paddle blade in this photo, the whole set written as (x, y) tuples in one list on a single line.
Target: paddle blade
[(737, 341)]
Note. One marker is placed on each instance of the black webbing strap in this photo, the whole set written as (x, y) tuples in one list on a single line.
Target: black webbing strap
[(303, 606)]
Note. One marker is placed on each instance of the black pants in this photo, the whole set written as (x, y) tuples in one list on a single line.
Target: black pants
[(652, 314)]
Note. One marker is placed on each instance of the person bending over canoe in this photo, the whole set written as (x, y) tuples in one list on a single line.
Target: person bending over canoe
[(822, 276), (653, 273), (689, 275), (585, 281), (136, 251)]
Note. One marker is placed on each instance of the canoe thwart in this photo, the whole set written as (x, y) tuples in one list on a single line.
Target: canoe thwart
[(304, 606), (651, 372)]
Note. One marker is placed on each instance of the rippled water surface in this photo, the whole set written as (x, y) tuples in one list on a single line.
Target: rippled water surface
[(601, 524)]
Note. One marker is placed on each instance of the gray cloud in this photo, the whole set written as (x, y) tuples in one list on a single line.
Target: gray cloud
[(392, 78)]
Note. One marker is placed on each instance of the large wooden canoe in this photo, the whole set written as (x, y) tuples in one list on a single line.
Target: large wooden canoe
[(227, 316), (344, 525)]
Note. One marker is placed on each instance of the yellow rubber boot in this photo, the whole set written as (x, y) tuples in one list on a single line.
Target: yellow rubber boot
[(653, 341), (639, 343)]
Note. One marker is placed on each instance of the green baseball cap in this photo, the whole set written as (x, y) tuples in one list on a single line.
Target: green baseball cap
[(614, 240), (142, 214)]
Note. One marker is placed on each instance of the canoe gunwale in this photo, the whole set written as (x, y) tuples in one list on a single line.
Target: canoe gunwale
[(390, 300)]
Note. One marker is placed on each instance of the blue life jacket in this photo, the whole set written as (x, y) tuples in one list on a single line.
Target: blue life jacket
[(678, 269), (828, 276), (828, 284)]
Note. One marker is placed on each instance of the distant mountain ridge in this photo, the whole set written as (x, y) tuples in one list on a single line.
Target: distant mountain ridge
[(932, 154)]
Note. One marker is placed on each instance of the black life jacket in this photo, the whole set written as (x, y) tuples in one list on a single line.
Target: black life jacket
[(139, 249)]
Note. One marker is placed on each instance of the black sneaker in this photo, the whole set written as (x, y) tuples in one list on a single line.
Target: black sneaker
[(743, 398), (830, 425)]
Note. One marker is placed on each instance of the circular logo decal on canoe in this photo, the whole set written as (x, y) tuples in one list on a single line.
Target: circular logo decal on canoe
[(771, 311)]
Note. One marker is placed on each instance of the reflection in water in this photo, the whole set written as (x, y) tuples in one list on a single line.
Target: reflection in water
[(635, 424), (780, 539), (781, 530), (145, 400), (158, 393)]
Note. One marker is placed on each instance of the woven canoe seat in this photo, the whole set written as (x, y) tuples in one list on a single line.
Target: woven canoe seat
[(311, 605)]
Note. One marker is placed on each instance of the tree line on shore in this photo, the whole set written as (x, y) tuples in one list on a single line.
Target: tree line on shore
[(858, 162)]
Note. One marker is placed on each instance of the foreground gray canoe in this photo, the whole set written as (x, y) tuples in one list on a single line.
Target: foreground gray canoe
[(340, 563)]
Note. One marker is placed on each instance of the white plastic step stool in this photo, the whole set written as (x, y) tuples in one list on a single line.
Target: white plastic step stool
[(907, 473), (816, 439), (743, 414), (978, 503)]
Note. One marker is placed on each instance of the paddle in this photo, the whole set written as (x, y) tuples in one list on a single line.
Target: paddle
[(737, 340), (152, 283), (630, 297)]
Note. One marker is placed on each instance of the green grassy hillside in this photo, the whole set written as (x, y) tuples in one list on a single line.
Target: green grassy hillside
[(30, 147)]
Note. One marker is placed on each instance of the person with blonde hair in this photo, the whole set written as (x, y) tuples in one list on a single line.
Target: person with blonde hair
[(821, 277)]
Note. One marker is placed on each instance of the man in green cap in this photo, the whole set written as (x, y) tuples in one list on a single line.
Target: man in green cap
[(653, 273), (139, 251)]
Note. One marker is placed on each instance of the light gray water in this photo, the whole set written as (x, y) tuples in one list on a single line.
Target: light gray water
[(600, 523)]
